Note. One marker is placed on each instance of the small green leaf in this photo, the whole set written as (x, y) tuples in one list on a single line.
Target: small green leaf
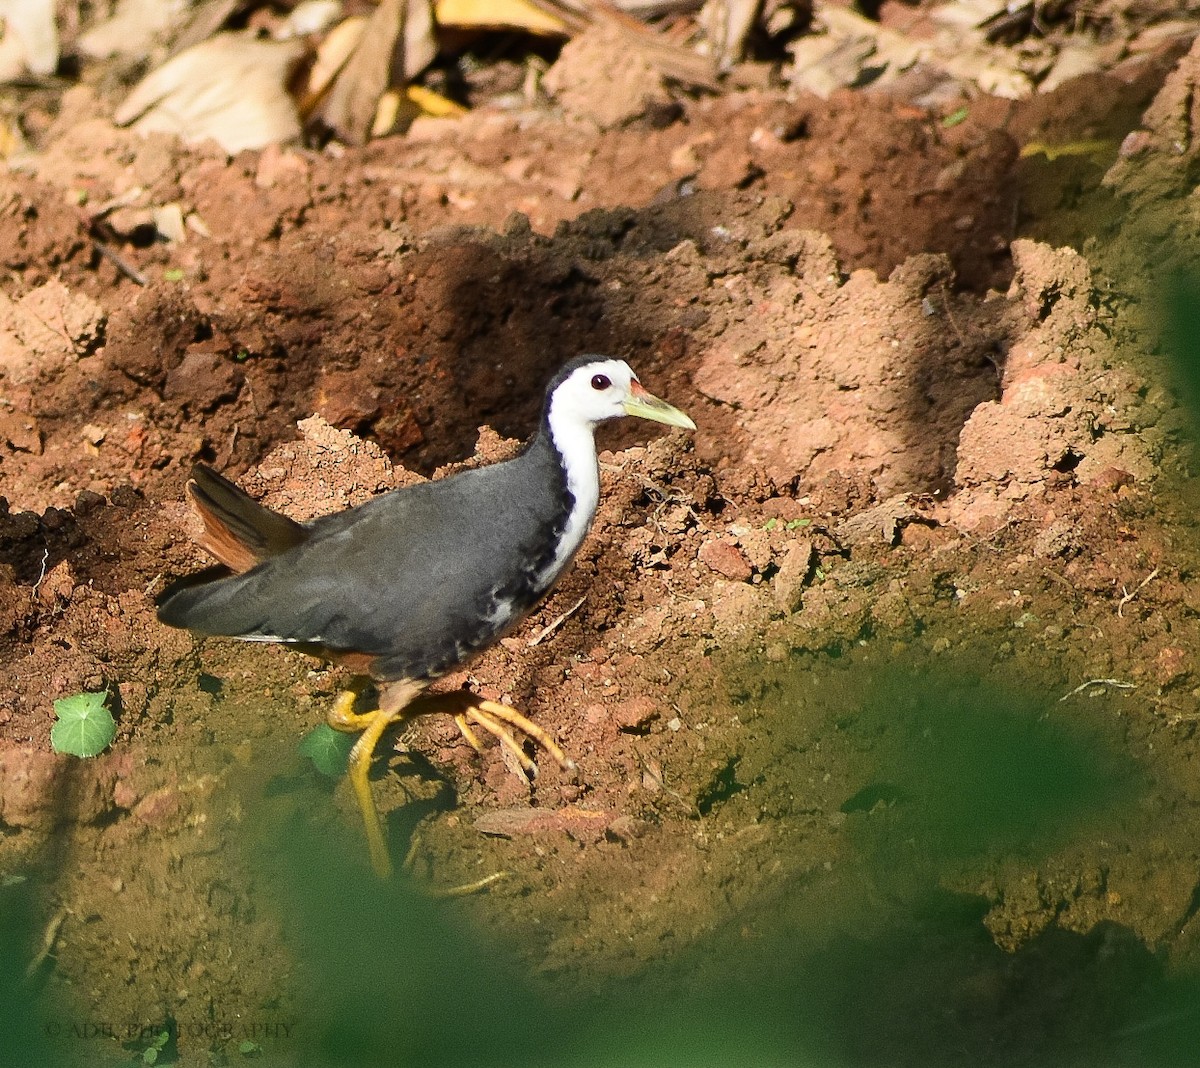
[(793, 524), (329, 750), (156, 1047), (85, 727), (173, 274), (955, 117), (771, 523), (247, 1048)]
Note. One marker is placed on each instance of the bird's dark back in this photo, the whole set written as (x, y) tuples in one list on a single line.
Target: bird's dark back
[(420, 578)]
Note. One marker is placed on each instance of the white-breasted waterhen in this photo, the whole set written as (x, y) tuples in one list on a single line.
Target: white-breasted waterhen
[(415, 582)]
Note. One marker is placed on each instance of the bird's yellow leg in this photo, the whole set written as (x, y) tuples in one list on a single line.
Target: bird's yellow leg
[(342, 717), (360, 766)]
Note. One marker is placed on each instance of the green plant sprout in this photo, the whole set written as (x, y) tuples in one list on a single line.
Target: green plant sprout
[(85, 726), (158, 1043), (329, 750), (249, 1049)]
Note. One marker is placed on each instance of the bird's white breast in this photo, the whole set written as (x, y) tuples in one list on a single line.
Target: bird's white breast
[(576, 444)]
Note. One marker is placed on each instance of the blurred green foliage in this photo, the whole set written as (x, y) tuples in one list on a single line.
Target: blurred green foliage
[(876, 962)]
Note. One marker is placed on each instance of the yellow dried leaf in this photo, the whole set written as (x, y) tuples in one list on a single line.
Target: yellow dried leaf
[(1069, 148), (498, 14), (12, 140), (434, 104), (399, 107), (337, 47), (387, 114)]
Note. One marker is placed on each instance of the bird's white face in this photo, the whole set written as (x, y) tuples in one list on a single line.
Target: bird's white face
[(608, 389), (595, 392)]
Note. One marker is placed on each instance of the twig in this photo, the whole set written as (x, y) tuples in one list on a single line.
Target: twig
[(1115, 684), (49, 937), (1136, 590), (121, 264), (950, 315), (1058, 578), (470, 888), (656, 776), (42, 573), (550, 628)]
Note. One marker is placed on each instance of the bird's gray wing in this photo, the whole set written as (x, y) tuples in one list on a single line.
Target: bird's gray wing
[(412, 575)]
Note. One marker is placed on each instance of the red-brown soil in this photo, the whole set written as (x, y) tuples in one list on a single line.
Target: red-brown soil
[(922, 436)]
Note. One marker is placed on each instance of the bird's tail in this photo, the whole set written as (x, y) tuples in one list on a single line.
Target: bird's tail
[(238, 531)]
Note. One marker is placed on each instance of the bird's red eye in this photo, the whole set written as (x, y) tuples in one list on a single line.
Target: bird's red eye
[(600, 382)]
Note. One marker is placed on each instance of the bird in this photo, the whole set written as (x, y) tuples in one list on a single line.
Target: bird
[(417, 581)]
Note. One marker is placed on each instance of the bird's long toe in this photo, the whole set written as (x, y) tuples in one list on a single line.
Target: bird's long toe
[(491, 715)]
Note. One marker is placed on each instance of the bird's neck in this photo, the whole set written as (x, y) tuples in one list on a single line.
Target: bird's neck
[(574, 441)]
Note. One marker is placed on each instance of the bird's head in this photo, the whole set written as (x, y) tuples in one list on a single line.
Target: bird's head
[(591, 389)]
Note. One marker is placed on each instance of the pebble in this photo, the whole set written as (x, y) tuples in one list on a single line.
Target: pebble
[(726, 560)]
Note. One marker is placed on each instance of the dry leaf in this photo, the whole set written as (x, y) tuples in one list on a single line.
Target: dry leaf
[(230, 88), (396, 45), (726, 24), (30, 38), (206, 20), (399, 108), (134, 27), (498, 14), (338, 46), (991, 68), (895, 50), (1074, 59), (827, 62), (968, 14), (168, 221), (310, 17), (680, 63), (853, 46)]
